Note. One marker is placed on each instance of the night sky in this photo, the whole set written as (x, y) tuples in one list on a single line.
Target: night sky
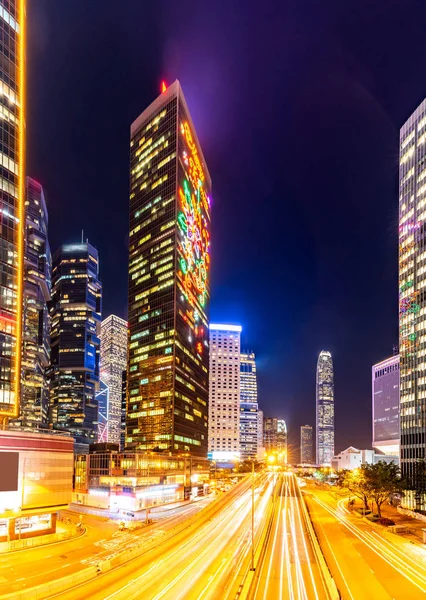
[(298, 106)]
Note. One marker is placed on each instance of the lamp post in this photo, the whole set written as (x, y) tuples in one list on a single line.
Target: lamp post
[(252, 515)]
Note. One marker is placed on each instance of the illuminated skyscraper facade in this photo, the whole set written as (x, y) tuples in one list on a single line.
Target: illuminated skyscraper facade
[(103, 402), (385, 406), (12, 209), (36, 320), (169, 281), (248, 406), (75, 328), (325, 409), (224, 396), (412, 299), (260, 443), (112, 364), (306, 445)]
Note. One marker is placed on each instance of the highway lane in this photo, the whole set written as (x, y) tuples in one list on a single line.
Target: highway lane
[(289, 567), (28, 568), (364, 564), (193, 568)]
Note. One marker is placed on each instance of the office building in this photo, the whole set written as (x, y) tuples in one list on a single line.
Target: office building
[(324, 409), (75, 328), (412, 303), (36, 320), (385, 406), (275, 437), (103, 402), (113, 362), (259, 429), (224, 396), (169, 281), (248, 406), (12, 204), (36, 482), (306, 445), (123, 410)]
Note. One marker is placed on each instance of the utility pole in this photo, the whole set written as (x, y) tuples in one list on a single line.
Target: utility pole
[(252, 515)]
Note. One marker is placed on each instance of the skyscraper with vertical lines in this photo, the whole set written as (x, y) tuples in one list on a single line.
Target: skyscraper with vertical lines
[(325, 409)]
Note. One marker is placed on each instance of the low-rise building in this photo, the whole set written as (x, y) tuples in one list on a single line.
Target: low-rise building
[(132, 481), (352, 458), (35, 482)]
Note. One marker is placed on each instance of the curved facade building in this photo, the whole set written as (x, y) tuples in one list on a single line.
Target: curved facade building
[(325, 409)]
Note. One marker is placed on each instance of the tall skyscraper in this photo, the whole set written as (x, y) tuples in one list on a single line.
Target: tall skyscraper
[(123, 410), (385, 404), (325, 409), (248, 406), (224, 396), (275, 437), (169, 281), (12, 203), (306, 445), (412, 299), (112, 364), (75, 329), (36, 320)]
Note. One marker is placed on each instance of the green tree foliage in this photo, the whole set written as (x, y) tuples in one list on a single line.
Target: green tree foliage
[(383, 479), (356, 482)]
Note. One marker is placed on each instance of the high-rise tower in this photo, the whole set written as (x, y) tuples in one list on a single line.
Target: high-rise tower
[(112, 364), (412, 302), (224, 396), (324, 409), (76, 322), (306, 445), (248, 406), (12, 201), (36, 320), (169, 281), (385, 405)]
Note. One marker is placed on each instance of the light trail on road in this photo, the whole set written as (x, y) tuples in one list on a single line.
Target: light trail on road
[(382, 548), (289, 568)]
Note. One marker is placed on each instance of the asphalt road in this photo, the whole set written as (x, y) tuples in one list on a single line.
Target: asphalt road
[(289, 567), (364, 562)]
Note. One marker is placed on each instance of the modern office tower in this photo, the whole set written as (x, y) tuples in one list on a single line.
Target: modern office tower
[(412, 301), (259, 429), (169, 281), (103, 401), (248, 406), (36, 320), (12, 203), (123, 410), (324, 409), (113, 361), (275, 437), (385, 404), (75, 328), (306, 445), (224, 386)]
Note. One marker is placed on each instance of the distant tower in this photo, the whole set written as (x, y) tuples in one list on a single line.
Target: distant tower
[(325, 409), (112, 364), (306, 445), (275, 437), (75, 328), (224, 389)]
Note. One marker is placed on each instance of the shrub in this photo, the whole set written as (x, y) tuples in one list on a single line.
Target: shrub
[(385, 521)]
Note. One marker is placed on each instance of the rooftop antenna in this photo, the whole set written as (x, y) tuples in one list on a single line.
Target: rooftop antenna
[(82, 234)]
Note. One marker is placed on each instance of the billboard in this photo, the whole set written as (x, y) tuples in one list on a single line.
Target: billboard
[(9, 468)]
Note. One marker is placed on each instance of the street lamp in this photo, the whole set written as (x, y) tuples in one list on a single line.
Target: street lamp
[(252, 515)]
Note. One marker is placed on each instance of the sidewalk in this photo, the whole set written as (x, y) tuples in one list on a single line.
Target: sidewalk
[(63, 533)]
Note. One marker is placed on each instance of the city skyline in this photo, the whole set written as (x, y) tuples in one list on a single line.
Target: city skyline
[(333, 266)]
